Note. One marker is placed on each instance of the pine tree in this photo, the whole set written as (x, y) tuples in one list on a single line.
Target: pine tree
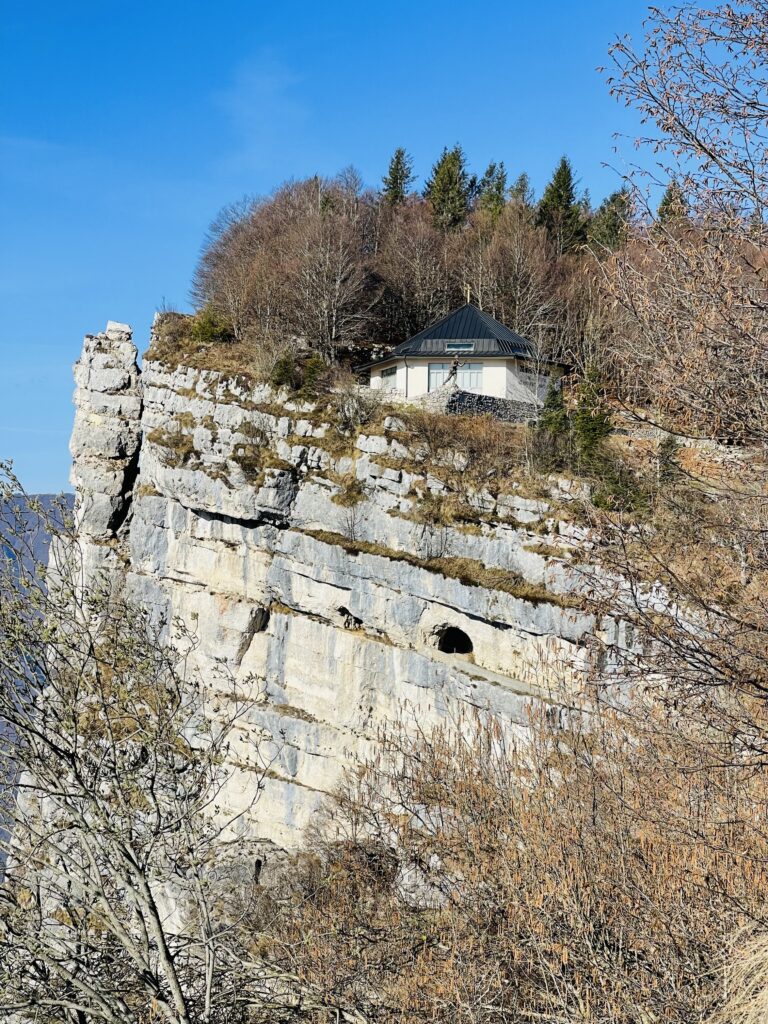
[(450, 189), (608, 227), (315, 370), (284, 372), (521, 191), (553, 418), (673, 207), (399, 178), (591, 422), (560, 211), (492, 190), (553, 431)]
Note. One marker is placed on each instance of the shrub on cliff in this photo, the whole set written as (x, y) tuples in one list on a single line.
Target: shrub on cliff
[(314, 375), (285, 372), (591, 422), (210, 328), (593, 874)]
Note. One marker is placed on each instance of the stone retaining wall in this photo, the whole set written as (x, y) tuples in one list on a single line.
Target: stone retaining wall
[(450, 399), (465, 403)]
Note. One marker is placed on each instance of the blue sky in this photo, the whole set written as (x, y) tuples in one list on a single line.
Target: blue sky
[(124, 127)]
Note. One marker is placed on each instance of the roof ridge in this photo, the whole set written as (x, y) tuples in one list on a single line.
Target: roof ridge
[(465, 323), (442, 320)]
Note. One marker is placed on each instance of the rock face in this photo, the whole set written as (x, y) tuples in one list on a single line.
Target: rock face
[(106, 438), (298, 556)]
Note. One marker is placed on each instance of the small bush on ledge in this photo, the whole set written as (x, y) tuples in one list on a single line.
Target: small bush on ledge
[(210, 329), (202, 342)]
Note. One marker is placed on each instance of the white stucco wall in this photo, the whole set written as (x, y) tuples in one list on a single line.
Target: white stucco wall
[(376, 378), (412, 379), (501, 378), (494, 378), (516, 389), (418, 377), (528, 379)]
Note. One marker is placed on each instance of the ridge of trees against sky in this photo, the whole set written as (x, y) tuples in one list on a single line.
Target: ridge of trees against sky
[(334, 263)]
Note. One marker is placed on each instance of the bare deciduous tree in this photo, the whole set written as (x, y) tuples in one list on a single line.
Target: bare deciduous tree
[(122, 857), (692, 348), (509, 267), (701, 80), (326, 277), (414, 268), (239, 271)]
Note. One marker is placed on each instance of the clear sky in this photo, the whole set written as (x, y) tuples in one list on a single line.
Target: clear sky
[(125, 126)]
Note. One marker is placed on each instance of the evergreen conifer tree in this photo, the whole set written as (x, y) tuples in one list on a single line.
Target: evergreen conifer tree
[(492, 189), (553, 430), (315, 370), (673, 207), (554, 416), (521, 191), (560, 211), (284, 372), (450, 189), (608, 227), (591, 422), (399, 178)]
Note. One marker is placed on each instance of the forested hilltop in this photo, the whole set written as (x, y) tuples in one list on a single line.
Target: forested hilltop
[(542, 647), (655, 295), (338, 264)]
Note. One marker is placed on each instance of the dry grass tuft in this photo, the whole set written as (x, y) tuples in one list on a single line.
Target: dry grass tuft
[(747, 978), (175, 343), (178, 446), (351, 490), (469, 571)]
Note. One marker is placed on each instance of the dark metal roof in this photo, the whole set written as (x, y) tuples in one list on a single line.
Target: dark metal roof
[(468, 323)]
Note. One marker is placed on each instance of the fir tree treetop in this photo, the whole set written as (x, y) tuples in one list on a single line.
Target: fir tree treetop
[(608, 227), (492, 189), (673, 207), (397, 182), (450, 189), (522, 191), (560, 210)]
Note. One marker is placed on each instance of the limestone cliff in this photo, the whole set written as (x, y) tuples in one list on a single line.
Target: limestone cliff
[(297, 555)]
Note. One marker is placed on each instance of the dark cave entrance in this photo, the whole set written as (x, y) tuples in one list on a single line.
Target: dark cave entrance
[(453, 640)]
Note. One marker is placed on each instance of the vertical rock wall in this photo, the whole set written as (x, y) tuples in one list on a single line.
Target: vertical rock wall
[(106, 439), (299, 558)]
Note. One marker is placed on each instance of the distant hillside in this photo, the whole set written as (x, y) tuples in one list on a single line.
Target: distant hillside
[(17, 514)]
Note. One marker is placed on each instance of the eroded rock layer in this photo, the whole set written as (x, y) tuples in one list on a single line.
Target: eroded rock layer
[(298, 555)]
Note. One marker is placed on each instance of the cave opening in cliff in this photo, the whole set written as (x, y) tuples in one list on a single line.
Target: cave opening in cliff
[(453, 640)]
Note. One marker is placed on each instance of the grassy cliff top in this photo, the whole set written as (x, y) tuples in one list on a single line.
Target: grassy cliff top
[(199, 341)]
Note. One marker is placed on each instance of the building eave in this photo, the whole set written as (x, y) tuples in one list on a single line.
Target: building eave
[(481, 357)]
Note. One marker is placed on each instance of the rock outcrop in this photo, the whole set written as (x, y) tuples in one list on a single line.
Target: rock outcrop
[(106, 439), (298, 556)]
